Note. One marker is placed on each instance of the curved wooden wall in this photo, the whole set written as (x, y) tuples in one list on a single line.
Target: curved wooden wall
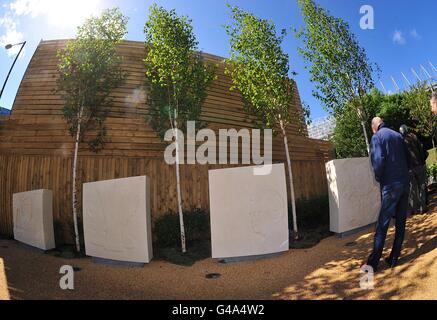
[(36, 148)]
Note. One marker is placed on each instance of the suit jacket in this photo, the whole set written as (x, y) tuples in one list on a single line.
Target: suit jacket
[(390, 157)]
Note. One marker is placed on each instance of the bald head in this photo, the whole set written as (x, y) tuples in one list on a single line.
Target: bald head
[(376, 122), (434, 102)]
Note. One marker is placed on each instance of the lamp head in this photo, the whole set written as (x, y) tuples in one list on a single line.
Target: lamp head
[(8, 46)]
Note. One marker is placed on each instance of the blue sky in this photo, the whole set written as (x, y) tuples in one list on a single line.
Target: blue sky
[(404, 36)]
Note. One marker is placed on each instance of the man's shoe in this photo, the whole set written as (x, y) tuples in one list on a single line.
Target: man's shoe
[(390, 262)]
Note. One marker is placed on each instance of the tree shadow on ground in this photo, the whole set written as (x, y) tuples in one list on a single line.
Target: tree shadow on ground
[(330, 270), (422, 250), (339, 278)]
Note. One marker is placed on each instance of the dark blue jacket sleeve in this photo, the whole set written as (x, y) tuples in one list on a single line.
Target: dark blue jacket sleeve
[(378, 157)]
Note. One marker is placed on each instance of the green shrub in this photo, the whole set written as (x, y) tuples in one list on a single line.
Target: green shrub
[(312, 213), (167, 229), (432, 172), (432, 157)]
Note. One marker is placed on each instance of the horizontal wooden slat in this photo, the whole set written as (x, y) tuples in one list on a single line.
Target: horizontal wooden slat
[(36, 147), (28, 172)]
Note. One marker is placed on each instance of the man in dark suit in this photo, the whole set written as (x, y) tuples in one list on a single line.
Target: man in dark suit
[(390, 163), (418, 186)]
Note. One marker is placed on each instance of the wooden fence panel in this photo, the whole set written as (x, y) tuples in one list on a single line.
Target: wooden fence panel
[(22, 173), (36, 148)]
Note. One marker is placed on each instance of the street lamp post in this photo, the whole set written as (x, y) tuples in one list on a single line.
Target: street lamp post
[(9, 46)]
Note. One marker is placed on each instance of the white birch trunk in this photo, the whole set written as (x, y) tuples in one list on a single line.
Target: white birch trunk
[(74, 187), (363, 125), (360, 114), (179, 195), (290, 175)]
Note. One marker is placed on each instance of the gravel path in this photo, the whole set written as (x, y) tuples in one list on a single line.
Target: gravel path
[(328, 271)]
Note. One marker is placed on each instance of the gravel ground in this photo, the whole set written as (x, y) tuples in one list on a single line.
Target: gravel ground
[(330, 270)]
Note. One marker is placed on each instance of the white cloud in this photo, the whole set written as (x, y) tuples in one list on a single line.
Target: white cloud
[(59, 13), (415, 34), (25, 7), (399, 38), (11, 35), (8, 22)]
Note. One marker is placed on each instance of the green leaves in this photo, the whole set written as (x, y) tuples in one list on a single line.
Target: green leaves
[(417, 100), (410, 108), (177, 76), (89, 70), (337, 64), (348, 136), (110, 26), (259, 68), (395, 111)]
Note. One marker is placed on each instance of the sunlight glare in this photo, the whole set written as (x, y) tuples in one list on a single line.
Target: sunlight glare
[(59, 13), (68, 14)]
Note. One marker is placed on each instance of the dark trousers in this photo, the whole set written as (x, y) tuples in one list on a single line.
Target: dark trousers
[(394, 203), (418, 190)]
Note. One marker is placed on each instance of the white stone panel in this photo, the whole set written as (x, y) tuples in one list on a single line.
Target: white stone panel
[(249, 214), (117, 221), (33, 218), (354, 194)]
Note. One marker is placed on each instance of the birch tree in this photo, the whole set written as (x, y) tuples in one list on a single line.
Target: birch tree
[(177, 78), (89, 70), (337, 64), (260, 71)]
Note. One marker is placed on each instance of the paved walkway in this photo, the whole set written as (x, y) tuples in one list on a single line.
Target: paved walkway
[(328, 271)]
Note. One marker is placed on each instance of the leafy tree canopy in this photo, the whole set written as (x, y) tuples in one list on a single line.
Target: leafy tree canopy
[(417, 101), (259, 68), (89, 69), (410, 108), (338, 65), (177, 74), (348, 136)]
